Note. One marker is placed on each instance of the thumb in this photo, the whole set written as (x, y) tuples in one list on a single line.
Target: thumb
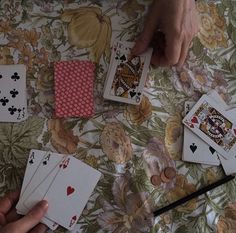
[(150, 26), (32, 218)]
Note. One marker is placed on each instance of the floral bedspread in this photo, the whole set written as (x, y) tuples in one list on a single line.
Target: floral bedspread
[(130, 145)]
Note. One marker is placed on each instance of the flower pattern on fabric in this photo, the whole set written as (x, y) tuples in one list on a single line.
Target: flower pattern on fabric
[(137, 148)]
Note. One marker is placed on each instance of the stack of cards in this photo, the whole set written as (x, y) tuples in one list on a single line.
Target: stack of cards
[(13, 100), (74, 88), (65, 182), (210, 133), (126, 74)]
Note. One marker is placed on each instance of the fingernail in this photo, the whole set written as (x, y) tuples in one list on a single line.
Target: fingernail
[(43, 205)]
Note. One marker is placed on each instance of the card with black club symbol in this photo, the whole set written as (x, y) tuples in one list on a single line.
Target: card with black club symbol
[(126, 74), (13, 100)]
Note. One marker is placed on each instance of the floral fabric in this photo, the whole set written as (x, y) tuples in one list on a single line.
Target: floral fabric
[(133, 146)]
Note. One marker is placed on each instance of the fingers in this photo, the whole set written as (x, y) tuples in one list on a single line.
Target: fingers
[(29, 221), (8, 201), (184, 52), (173, 47), (12, 216), (149, 29), (40, 228)]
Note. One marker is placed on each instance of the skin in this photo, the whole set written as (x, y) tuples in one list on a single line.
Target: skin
[(169, 28), (11, 222)]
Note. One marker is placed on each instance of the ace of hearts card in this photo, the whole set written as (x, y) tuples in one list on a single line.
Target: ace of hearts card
[(126, 74)]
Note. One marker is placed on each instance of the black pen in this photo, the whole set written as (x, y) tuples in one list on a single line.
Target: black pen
[(192, 195)]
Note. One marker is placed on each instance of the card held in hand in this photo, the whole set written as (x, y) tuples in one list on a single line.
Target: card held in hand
[(13, 99), (70, 191), (74, 88)]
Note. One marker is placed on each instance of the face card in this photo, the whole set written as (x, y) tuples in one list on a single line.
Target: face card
[(34, 160), (210, 122), (194, 148), (47, 171), (13, 100), (127, 74), (70, 191), (229, 165)]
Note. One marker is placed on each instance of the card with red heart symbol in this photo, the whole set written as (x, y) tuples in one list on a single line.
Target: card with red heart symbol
[(195, 150), (213, 125), (64, 181), (70, 191)]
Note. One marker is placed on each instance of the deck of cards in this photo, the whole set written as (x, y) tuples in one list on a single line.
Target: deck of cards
[(13, 99), (127, 74), (210, 133), (64, 181)]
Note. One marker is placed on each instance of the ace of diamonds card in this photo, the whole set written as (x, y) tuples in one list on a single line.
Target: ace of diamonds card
[(13, 101)]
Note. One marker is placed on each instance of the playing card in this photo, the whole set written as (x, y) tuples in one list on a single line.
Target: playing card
[(210, 122), (45, 174), (13, 100), (229, 165), (194, 148), (32, 165), (74, 88), (70, 191), (127, 74), (34, 160)]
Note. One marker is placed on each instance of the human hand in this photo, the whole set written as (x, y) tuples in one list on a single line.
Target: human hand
[(169, 27), (11, 222)]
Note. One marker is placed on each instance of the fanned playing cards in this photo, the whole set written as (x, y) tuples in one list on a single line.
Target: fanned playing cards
[(13, 99), (64, 181), (210, 133)]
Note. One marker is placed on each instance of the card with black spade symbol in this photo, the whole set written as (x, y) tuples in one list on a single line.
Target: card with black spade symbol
[(13, 100), (195, 150), (127, 74), (64, 181), (35, 159)]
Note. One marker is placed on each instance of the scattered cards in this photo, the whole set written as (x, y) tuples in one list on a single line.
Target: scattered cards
[(210, 133), (64, 181), (210, 122), (126, 74), (13, 100)]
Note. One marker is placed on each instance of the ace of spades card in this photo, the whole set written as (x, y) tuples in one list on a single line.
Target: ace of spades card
[(64, 181), (127, 74), (13, 100)]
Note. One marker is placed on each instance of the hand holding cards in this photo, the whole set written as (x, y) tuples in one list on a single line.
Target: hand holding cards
[(214, 126), (127, 74), (61, 181)]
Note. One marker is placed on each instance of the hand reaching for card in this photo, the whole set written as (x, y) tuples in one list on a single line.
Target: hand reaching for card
[(170, 25), (11, 222)]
